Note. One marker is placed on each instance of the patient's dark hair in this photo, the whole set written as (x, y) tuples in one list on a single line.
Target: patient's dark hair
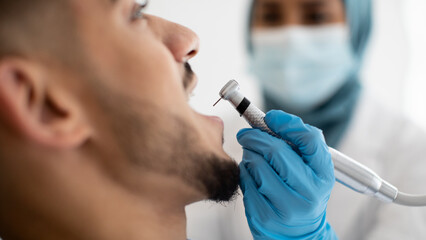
[(36, 28)]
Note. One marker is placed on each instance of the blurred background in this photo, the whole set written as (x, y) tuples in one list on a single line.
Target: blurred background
[(394, 71)]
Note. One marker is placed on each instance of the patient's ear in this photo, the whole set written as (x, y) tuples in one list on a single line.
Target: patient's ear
[(39, 109)]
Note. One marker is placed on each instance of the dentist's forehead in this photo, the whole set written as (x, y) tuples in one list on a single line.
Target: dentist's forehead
[(302, 2), (308, 2), (142, 2)]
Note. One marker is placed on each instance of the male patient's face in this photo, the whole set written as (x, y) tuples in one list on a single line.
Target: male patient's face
[(139, 80)]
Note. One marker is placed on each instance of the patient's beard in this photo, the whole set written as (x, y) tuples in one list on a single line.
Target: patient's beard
[(161, 142)]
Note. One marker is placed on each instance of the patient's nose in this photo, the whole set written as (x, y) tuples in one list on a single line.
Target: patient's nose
[(182, 42)]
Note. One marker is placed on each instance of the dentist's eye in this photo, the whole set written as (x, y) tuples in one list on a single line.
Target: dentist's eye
[(138, 9)]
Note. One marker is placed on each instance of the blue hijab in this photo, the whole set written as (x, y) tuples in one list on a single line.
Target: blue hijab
[(334, 116)]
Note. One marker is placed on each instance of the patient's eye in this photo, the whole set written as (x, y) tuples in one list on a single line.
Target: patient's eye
[(138, 9)]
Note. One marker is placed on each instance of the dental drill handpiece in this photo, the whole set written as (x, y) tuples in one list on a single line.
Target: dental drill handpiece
[(347, 171)]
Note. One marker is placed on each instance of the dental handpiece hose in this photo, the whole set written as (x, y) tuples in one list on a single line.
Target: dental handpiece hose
[(347, 171)]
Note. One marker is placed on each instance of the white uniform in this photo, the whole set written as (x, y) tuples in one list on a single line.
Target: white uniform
[(394, 148)]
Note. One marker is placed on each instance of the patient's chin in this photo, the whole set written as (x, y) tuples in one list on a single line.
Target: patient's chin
[(220, 178)]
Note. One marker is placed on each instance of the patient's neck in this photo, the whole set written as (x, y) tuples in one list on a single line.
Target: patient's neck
[(91, 207), (125, 222)]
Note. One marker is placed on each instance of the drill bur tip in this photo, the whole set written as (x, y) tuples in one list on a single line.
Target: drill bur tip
[(214, 105)]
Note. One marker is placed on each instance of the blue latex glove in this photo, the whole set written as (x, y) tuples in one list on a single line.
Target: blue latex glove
[(286, 194)]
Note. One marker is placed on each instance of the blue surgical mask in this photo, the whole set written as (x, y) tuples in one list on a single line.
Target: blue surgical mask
[(302, 67)]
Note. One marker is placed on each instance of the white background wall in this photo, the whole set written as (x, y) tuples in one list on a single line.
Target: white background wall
[(394, 70), (395, 67), (414, 92)]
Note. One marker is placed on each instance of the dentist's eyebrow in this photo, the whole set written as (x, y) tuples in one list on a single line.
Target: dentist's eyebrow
[(314, 3), (271, 5)]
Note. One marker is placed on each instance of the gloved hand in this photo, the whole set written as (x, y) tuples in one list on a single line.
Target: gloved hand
[(286, 194)]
